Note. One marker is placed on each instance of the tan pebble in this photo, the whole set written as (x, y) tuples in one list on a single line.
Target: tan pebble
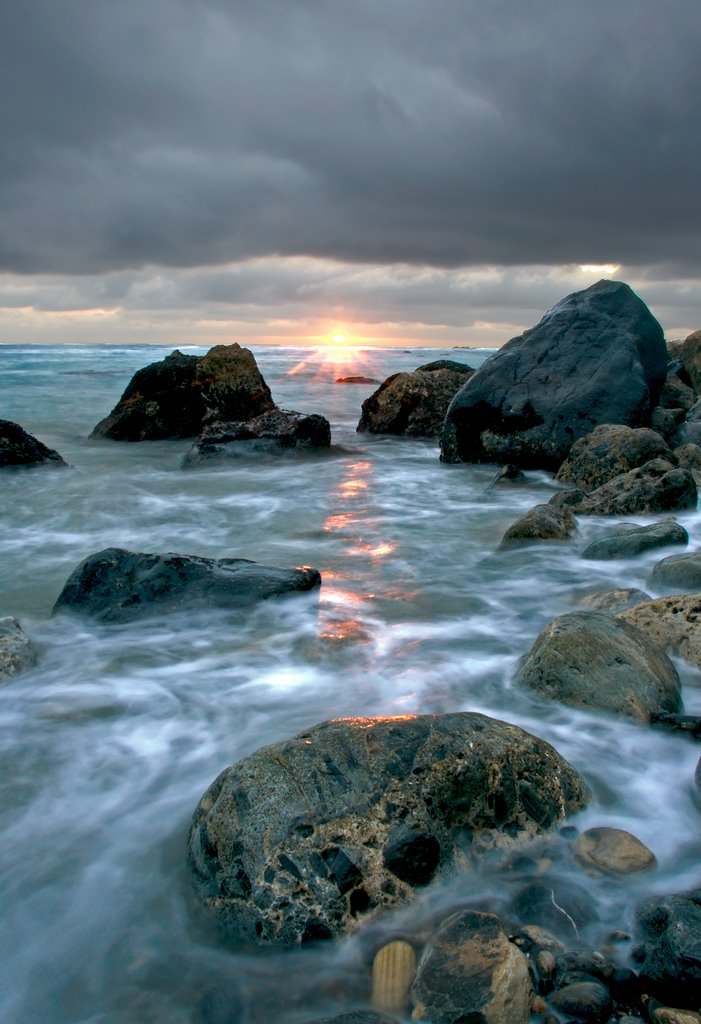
[(538, 1005), (393, 972), (419, 1012), (613, 851), (669, 1015), (544, 864)]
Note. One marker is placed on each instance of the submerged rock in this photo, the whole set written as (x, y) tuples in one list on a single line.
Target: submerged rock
[(629, 541), (273, 433), (177, 396), (17, 652), (19, 448), (670, 955), (414, 404), (307, 838), (658, 486), (609, 451), (115, 585), (586, 1001), (593, 661), (672, 623), (542, 522), (598, 356)]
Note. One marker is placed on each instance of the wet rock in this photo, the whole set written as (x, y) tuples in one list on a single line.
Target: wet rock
[(670, 955), (542, 522), (670, 1015), (688, 432), (583, 965), (179, 395), (678, 572), (691, 359), (393, 971), (273, 433), (658, 486), (414, 404), (666, 422), (675, 394), (689, 457), (533, 939), (630, 541), (17, 653), (356, 380), (357, 1017), (585, 1001), (613, 851), (471, 972), (672, 623), (296, 842), (598, 356), (609, 451), (115, 585), (615, 601), (591, 660), (21, 449), (508, 474), (560, 906), (687, 724)]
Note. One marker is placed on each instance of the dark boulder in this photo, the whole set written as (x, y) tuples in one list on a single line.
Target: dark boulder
[(17, 652), (598, 356), (691, 359), (675, 394), (658, 486), (18, 448), (115, 585), (630, 541), (414, 404), (586, 1001), (273, 433), (609, 451), (179, 395), (542, 522), (308, 838), (591, 660), (670, 954)]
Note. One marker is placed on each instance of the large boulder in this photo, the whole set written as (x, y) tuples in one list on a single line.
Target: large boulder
[(415, 403), (177, 396), (17, 653), (672, 623), (591, 660), (114, 585), (658, 486), (309, 837), (598, 356), (629, 541), (273, 433), (19, 448), (670, 954), (677, 572), (609, 451)]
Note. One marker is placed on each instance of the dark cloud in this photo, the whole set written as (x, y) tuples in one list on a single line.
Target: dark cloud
[(441, 132)]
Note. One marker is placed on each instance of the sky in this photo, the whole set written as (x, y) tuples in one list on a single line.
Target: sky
[(412, 172)]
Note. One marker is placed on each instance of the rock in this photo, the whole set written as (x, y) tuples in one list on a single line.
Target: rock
[(655, 487), (691, 358), (609, 451), (686, 433), (583, 965), (179, 395), (414, 404), (471, 972), (689, 725), (629, 541), (358, 1017), (615, 601), (598, 356), (675, 394), (672, 623), (613, 851), (508, 473), (393, 971), (17, 652), (272, 433), (18, 448), (356, 380), (115, 585), (670, 1015), (562, 907), (593, 661), (677, 572), (585, 1001), (297, 841), (666, 422), (542, 522), (689, 457), (670, 955)]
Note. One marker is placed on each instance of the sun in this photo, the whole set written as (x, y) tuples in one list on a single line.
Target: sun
[(339, 339)]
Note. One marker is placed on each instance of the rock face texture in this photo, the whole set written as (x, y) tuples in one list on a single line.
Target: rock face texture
[(273, 433), (671, 951), (177, 396), (415, 403), (542, 522), (115, 585), (598, 356), (307, 838), (673, 623), (629, 541), (16, 649), (471, 972), (18, 448), (591, 660), (658, 486), (610, 450)]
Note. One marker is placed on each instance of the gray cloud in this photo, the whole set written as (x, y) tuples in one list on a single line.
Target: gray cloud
[(427, 132)]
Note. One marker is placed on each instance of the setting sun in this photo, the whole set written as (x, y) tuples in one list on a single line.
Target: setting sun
[(339, 339)]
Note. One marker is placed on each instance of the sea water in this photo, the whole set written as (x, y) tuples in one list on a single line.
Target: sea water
[(107, 745)]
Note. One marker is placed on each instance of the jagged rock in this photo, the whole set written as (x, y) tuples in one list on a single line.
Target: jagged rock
[(179, 395), (615, 601), (273, 433), (591, 660), (670, 955), (542, 522), (613, 851), (17, 652), (672, 623), (629, 541), (18, 448), (114, 585), (470, 971), (598, 356), (691, 358), (677, 572), (609, 451), (415, 403), (658, 486), (308, 838)]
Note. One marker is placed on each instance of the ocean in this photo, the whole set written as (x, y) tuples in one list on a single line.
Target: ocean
[(107, 745)]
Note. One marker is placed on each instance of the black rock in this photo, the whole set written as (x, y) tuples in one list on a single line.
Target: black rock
[(670, 956), (18, 448), (585, 1001), (413, 856), (629, 541), (272, 433), (115, 585), (563, 907)]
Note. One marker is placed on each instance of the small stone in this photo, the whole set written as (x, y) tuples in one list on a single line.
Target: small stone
[(538, 1005), (393, 971), (546, 968), (613, 851), (585, 1001)]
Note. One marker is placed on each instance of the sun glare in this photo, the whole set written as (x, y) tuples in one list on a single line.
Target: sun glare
[(339, 339)]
